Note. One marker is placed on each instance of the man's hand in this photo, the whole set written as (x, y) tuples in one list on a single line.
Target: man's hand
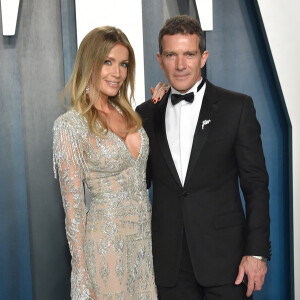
[(256, 271)]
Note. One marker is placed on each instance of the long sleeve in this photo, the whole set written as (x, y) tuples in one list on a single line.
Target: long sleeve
[(68, 161), (254, 182)]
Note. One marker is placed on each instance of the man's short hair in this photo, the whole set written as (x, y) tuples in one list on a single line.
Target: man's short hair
[(182, 24)]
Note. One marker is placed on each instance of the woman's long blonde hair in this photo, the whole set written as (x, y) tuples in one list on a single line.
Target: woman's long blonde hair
[(90, 57)]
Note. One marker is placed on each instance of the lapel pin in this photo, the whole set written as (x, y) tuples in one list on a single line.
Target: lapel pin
[(205, 122)]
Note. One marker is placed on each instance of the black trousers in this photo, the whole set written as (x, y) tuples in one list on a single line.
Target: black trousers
[(187, 287)]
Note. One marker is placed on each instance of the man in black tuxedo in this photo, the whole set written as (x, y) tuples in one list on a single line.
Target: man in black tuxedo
[(204, 141)]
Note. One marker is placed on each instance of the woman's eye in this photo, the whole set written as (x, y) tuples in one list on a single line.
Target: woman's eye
[(107, 62), (124, 65)]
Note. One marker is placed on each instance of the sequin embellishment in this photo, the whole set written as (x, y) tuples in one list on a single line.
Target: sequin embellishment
[(111, 244)]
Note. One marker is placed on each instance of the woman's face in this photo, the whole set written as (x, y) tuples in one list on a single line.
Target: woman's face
[(113, 72)]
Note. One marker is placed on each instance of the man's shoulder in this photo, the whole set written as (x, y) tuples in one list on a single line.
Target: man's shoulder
[(145, 108), (144, 105), (229, 95)]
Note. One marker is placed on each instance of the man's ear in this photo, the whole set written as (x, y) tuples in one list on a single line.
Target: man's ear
[(204, 57), (159, 58)]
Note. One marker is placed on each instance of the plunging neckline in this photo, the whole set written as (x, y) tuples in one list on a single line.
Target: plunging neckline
[(125, 145), (119, 138)]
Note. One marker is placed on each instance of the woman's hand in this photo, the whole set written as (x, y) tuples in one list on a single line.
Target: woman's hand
[(159, 91)]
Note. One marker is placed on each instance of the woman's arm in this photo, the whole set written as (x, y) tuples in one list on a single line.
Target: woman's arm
[(68, 159)]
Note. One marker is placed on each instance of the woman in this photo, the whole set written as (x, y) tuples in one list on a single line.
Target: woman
[(100, 142)]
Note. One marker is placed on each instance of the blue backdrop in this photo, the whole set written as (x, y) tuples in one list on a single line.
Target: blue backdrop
[(15, 274), (34, 259), (240, 60)]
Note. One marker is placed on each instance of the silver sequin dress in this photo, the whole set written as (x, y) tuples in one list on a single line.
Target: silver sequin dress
[(111, 244)]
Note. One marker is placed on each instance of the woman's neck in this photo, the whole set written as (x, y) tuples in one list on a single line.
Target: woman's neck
[(102, 104)]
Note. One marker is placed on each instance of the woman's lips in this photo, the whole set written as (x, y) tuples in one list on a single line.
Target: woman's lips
[(113, 83)]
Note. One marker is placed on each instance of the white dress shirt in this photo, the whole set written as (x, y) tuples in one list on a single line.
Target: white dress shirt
[(181, 121)]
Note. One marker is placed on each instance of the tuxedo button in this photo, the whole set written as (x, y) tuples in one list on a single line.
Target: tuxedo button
[(185, 193)]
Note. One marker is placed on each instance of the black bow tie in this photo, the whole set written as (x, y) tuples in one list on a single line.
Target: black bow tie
[(189, 97), (176, 98)]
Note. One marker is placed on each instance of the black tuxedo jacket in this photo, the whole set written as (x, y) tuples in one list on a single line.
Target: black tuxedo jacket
[(225, 152)]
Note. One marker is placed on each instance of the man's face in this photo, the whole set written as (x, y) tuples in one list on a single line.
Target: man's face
[(181, 60)]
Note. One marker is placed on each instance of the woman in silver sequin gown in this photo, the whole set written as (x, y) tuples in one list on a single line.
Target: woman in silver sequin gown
[(100, 143)]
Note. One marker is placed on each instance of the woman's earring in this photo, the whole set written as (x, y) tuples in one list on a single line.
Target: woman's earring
[(87, 89)]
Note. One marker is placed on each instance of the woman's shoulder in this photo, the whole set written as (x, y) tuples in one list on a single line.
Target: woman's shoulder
[(72, 119)]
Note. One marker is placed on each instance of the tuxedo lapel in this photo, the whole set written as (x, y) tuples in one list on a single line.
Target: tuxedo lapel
[(161, 136), (208, 108)]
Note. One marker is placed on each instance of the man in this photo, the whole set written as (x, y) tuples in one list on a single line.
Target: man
[(204, 140)]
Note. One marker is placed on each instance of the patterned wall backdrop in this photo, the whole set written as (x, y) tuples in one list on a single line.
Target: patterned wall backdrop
[(36, 63)]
